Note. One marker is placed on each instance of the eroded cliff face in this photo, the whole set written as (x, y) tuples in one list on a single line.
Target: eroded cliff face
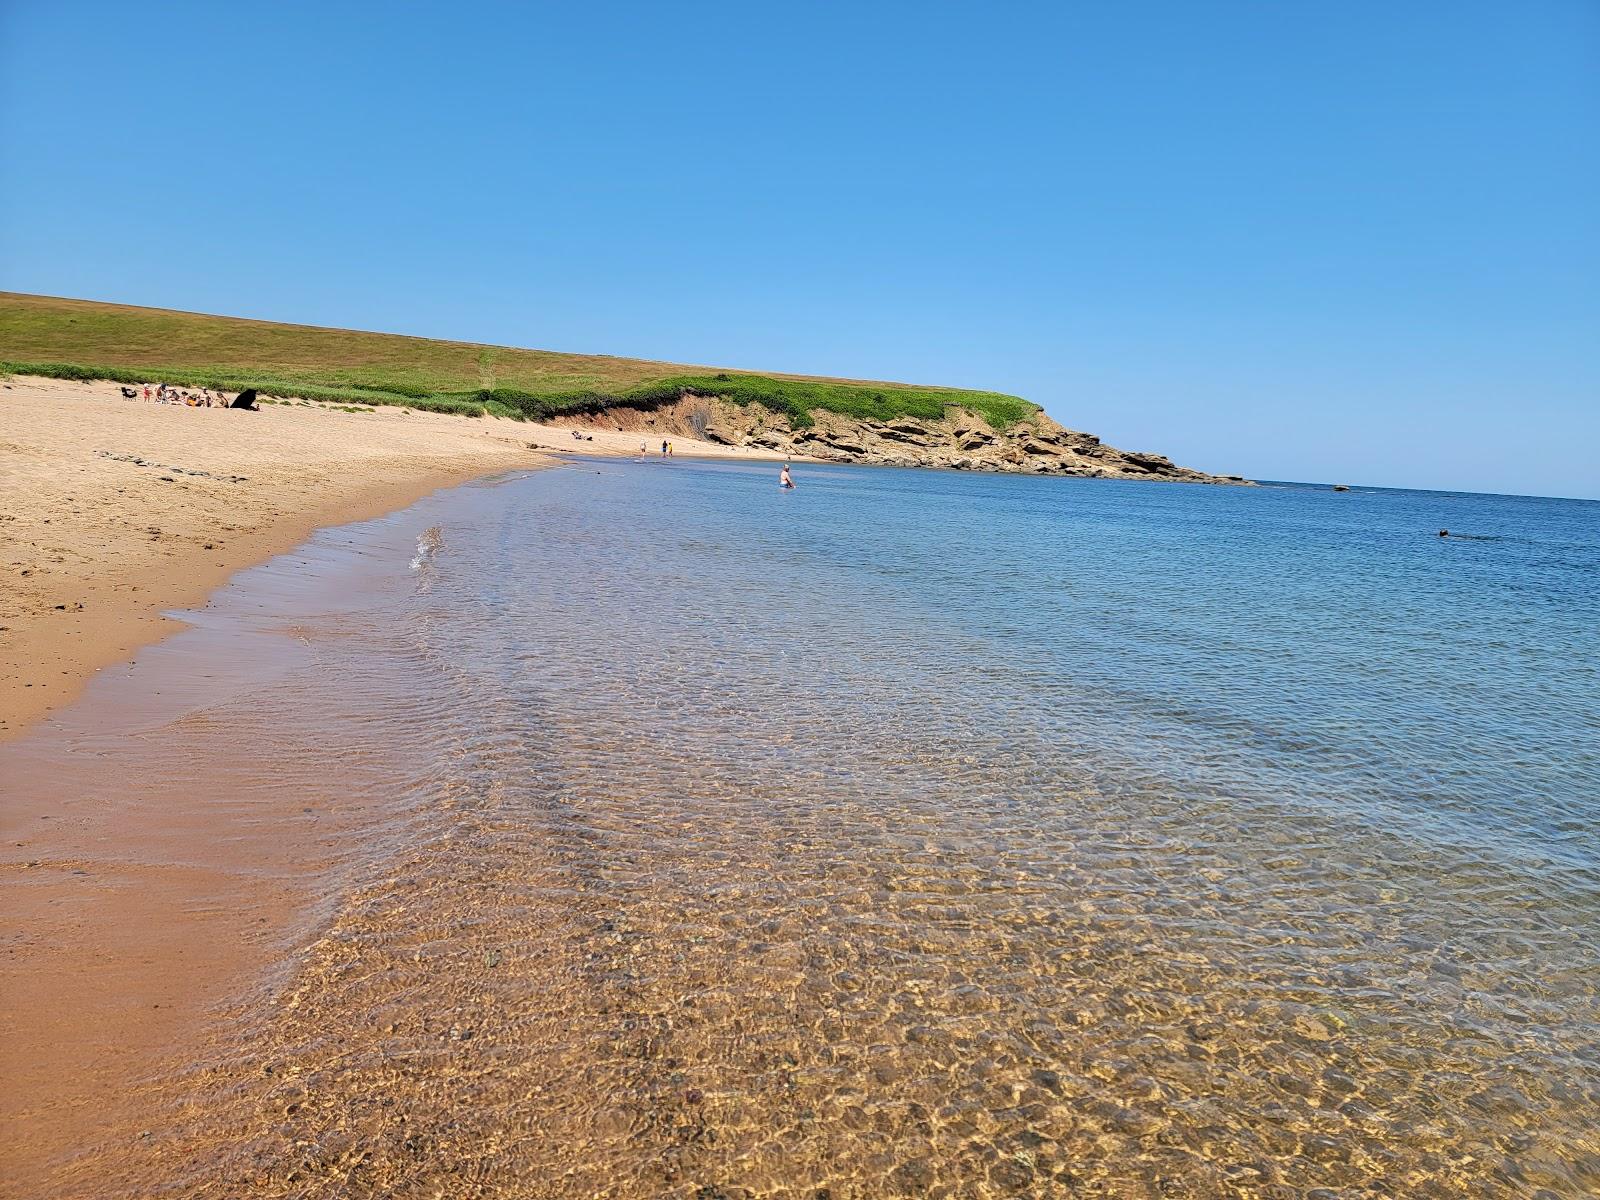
[(962, 441)]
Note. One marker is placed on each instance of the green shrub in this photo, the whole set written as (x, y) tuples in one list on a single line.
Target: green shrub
[(795, 399)]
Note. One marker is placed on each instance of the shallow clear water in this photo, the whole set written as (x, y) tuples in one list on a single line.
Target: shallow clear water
[(930, 834)]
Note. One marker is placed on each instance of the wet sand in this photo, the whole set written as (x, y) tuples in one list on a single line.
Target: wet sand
[(131, 913), (127, 913), (114, 510)]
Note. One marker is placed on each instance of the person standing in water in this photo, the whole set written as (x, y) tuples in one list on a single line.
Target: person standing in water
[(663, 447), (783, 477)]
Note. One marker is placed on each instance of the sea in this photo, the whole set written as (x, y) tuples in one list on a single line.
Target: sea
[(908, 833)]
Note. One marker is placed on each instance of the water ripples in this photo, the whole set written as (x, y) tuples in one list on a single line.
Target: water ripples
[(731, 858)]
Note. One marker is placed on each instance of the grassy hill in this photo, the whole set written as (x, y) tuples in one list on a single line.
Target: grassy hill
[(84, 339)]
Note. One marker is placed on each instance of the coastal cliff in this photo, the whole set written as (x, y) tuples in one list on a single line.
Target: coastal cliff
[(962, 440), (839, 420)]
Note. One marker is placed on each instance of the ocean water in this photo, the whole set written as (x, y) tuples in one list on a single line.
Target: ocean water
[(918, 833)]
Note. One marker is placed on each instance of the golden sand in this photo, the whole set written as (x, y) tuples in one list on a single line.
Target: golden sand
[(114, 510)]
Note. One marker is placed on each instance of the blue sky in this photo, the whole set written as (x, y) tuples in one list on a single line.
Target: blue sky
[(1347, 242)]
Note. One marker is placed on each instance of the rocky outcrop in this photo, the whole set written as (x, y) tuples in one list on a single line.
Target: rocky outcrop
[(962, 441)]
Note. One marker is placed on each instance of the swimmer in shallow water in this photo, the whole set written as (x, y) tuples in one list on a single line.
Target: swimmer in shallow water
[(783, 477)]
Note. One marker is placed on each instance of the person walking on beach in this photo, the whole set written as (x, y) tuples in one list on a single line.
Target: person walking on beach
[(663, 447)]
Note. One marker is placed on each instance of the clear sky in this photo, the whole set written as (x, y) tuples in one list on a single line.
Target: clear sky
[(1352, 242)]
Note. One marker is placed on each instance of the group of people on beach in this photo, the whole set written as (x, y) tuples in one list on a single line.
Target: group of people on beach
[(162, 394)]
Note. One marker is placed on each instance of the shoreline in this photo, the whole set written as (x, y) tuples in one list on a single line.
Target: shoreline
[(151, 899), (105, 538), (135, 919)]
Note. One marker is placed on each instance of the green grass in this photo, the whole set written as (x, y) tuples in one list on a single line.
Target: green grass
[(83, 339)]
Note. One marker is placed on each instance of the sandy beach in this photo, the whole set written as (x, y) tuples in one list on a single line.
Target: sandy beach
[(529, 841), (117, 510), (135, 915)]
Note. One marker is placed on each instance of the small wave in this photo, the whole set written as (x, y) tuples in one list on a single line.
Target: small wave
[(429, 543)]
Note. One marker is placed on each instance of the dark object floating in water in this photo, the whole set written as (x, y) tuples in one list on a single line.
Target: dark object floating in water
[(1339, 487), (1444, 533), (245, 399)]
